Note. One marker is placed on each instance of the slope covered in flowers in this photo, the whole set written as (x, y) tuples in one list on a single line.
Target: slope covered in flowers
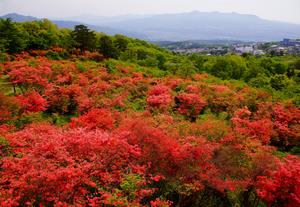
[(80, 132)]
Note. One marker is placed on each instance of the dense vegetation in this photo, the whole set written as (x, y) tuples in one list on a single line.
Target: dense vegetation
[(93, 120)]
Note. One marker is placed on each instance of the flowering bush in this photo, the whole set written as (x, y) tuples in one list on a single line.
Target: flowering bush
[(95, 118), (124, 140), (190, 104), (73, 167), (257, 129), (281, 187), (32, 102), (9, 108), (25, 76), (159, 97)]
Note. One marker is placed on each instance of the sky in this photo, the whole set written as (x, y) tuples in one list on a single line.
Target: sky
[(282, 10)]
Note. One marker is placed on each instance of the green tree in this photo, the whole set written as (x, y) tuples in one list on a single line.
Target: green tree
[(161, 61), (106, 47), (267, 65), (290, 71), (279, 68), (278, 82), (186, 68), (229, 67), (84, 38), (40, 35), (141, 53), (11, 38), (261, 81), (121, 42), (253, 70), (65, 38), (198, 61), (296, 64)]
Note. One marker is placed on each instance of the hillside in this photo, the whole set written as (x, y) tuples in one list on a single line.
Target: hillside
[(115, 121)]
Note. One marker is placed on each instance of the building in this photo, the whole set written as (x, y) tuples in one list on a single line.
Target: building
[(290, 43)]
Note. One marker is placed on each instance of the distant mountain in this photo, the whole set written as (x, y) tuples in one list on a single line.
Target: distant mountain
[(19, 18), (209, 25), (100, 20), (184, 26), (70, 24)]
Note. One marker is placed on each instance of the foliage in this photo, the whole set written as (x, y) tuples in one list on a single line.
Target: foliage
[(83, 37), (130, 124), (159, 97), (10, 37), (190, 104), (32, 102), (281, 187)]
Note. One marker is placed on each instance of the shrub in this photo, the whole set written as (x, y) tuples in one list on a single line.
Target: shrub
[(190, 105), (159, 97)]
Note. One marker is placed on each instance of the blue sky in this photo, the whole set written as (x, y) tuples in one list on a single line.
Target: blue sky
[(283, 10)]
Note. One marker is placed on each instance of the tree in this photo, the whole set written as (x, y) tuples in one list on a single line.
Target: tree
[(297, 63), (65, 38), (279, 68), (40, 35), (10, 36), (106, 47), (161, 61), (278, 82), (198, 61), (229, 67), (121, 42), (84, 38), (186, 69), (290, 71)]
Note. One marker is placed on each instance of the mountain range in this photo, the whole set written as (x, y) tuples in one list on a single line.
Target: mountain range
[(71, 23), (184, 26)]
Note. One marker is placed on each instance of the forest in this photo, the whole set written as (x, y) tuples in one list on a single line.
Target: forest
[(88, 119)]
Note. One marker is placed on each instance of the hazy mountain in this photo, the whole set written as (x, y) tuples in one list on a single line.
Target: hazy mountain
[(19, 18), (209, 25), (100, 20), (70, 24), (184, 26)]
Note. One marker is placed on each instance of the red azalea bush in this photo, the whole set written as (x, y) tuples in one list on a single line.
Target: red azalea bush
[(73, 167), (95, 119), (64, 99), (287, 125), (190, 104), (9, 108), (257, 129), (282, 186), (159, 97), (123, 149), (25, 76), (159, 203), (32, 102)]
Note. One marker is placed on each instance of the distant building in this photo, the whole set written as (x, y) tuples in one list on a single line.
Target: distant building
[(290, 42), (258, 52), (243, 49)]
